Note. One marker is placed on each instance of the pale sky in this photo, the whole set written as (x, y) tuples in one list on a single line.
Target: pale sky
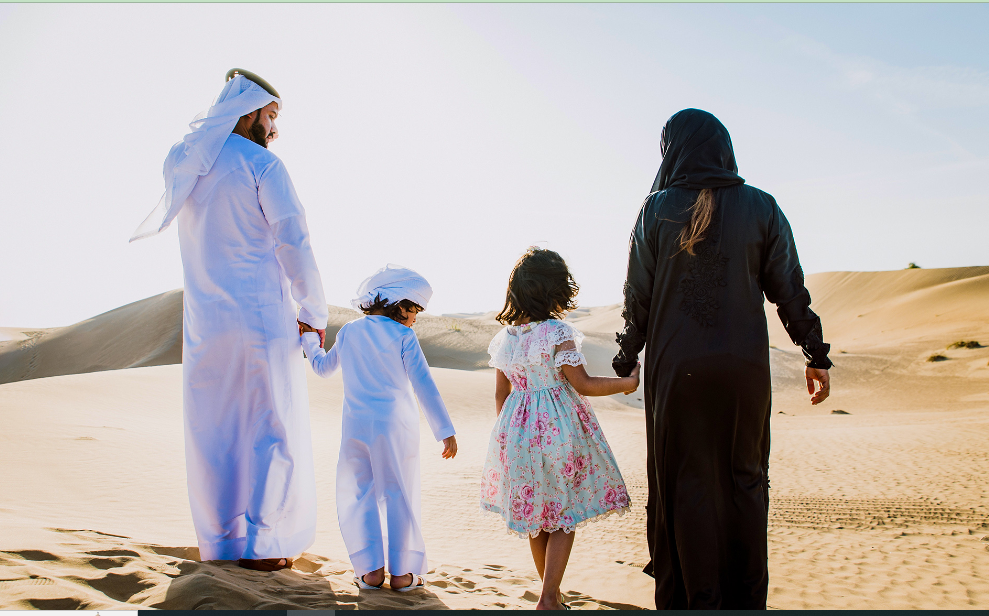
[(448, 138)]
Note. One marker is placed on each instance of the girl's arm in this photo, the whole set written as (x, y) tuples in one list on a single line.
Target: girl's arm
[(324, 364), (503, 387), (587, 385)]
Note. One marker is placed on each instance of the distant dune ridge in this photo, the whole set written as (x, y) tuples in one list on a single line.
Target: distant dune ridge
[(868, 310), (149, 333), (879, 499), (880, 310), (145, 333)]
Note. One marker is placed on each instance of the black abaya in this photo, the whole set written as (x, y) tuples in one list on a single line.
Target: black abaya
[(707, 385)]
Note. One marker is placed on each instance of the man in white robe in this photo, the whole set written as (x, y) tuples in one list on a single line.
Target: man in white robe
[(246, 256)]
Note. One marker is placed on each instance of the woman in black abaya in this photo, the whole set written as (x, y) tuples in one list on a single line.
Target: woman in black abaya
[(705, 250)]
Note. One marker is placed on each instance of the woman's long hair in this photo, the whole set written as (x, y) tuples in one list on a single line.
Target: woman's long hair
[(701, 213)]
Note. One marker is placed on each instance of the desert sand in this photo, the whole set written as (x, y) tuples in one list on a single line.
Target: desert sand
[(884, 504)]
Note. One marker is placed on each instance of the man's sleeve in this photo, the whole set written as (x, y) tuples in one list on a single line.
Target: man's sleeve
[(287, 219)]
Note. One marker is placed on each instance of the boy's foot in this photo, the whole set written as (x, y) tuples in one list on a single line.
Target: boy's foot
[(407, 582), (363, 584), (265, 564)]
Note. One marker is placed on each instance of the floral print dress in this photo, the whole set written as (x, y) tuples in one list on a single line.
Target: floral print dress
[(548, 465)]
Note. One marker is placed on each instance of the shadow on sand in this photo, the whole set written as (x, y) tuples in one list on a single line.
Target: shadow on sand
[(313, 583), (91, 570)]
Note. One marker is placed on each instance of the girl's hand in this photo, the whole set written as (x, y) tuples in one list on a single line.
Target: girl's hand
[(634, 375), (450, 447)]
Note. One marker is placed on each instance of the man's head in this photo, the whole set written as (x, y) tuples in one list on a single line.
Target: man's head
[(259, 125)]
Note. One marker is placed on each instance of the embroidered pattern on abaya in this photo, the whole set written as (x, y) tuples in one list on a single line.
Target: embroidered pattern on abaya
[(706, 275)]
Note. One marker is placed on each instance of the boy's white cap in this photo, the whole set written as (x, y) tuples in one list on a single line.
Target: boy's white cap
[(393, 283)]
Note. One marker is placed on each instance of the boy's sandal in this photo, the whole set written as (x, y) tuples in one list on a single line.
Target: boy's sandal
[(265, 564), (417, 582), (360, 583)]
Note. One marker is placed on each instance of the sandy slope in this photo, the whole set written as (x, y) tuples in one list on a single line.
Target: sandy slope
[(884, 507), (13, 333), (145, 333), (97, 510)]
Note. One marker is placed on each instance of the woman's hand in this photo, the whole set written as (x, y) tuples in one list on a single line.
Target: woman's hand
[(450, 447), (634, 378), (822, 377)]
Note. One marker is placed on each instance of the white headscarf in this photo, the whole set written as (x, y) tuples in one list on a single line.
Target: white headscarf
[(393, 283), (210, 129)]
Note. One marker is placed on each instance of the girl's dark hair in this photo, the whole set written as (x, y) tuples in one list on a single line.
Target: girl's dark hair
[(540, 287), (392, 310)]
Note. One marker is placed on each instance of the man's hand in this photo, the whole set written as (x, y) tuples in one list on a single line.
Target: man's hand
[(822, 377), (450, 447), (305, 327)]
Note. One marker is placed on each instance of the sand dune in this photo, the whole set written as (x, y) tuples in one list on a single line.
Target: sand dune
[(149, 333), (883, 327), (884, 310), (13, 333), (145, 333), (883, 506)]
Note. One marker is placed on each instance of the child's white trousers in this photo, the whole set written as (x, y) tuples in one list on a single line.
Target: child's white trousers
[(378, 501)]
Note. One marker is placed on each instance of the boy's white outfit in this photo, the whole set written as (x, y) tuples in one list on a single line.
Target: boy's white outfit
[(384, 372)]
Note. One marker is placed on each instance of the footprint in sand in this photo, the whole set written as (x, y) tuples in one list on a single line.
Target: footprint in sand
[(131, 553), (35, 555), (66, 603), (109, 563), (122, 586)]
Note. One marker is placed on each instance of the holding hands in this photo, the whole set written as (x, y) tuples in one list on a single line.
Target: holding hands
[(305, 327), (633, 378)]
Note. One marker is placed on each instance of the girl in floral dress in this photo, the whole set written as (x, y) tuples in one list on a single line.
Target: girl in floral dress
[(549, 468)]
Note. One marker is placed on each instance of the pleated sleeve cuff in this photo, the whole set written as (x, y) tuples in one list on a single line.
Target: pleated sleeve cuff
[(316, 322), (443, 433)]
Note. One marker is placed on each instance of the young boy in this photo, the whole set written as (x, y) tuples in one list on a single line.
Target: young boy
[(384, 371)]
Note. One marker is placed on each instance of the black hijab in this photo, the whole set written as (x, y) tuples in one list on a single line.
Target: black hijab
[(697, 153)]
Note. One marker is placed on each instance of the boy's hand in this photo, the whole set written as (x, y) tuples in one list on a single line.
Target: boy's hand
[(634, 375), (305, 328), (450, 447)]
